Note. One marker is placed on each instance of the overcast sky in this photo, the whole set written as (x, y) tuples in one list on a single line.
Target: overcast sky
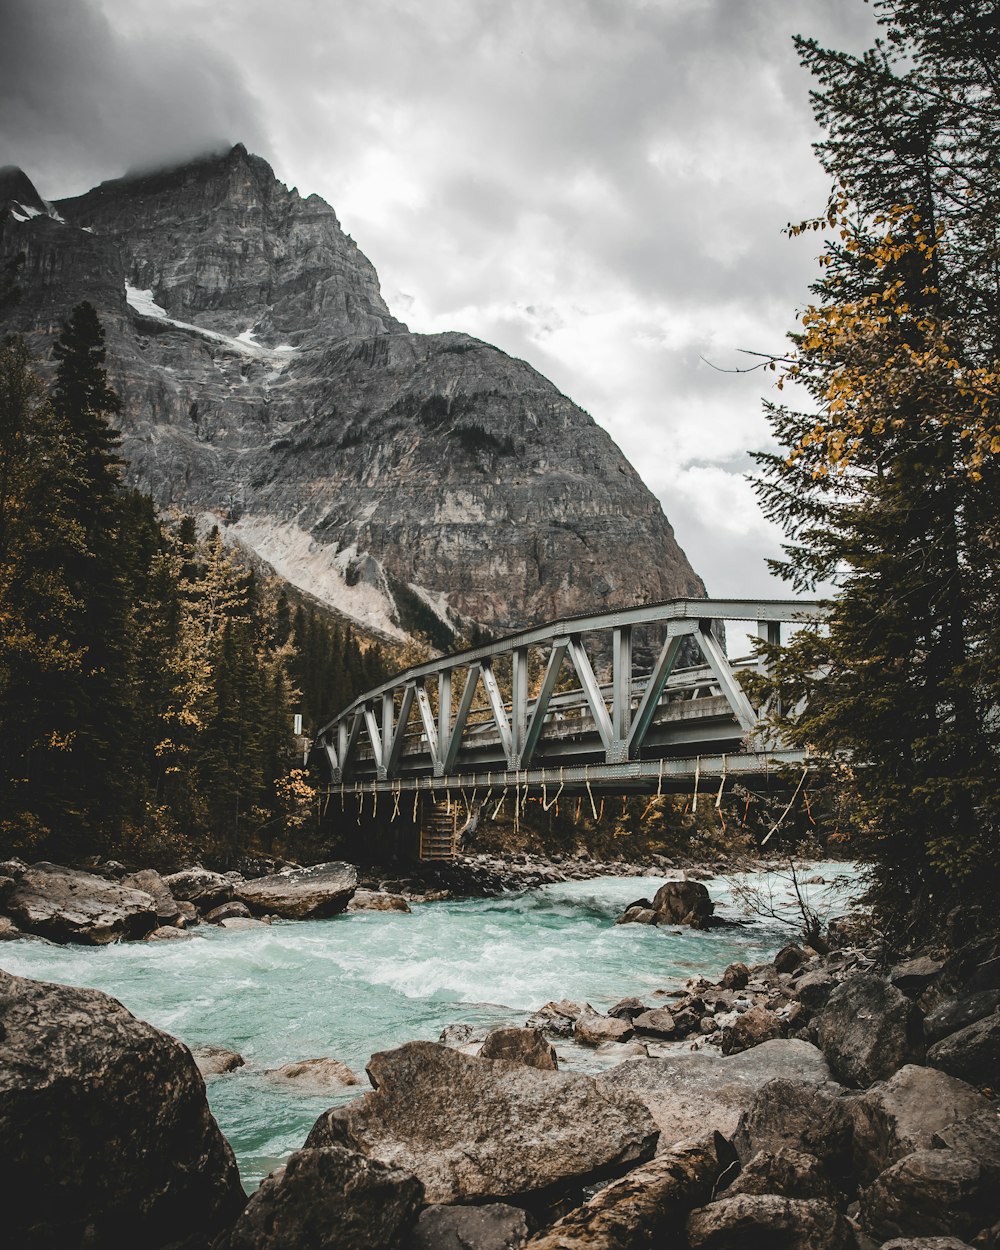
[(597, 186)]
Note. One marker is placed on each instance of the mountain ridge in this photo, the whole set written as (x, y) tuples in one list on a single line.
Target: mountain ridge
[(267, 385)]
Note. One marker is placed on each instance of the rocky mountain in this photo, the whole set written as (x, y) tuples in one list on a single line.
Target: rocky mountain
[(411, 481)]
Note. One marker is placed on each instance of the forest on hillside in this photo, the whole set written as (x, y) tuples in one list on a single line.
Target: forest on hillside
[(148, 676)]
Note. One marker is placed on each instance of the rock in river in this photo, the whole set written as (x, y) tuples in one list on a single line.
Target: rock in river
[(70, 906), (527, 1046), (475, 1130), (107, 1137), (300, 893), (319, 1076), (200, 886)]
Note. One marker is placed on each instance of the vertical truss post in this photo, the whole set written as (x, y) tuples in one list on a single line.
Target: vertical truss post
[(769, 632), (621, 699), (444, 714), (518, 703), (388, 714)]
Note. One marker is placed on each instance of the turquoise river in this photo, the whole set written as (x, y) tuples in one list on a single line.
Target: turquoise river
[(367, 981)]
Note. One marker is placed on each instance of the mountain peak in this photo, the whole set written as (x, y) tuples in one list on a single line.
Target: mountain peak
[(17, 192)]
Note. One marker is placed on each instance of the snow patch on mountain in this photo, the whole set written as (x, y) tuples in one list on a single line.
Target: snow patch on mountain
[(142, 302)]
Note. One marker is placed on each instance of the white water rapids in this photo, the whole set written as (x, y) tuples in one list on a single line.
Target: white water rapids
[(367, 981)]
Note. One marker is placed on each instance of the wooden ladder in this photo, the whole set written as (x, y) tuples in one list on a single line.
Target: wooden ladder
[(437, 831)]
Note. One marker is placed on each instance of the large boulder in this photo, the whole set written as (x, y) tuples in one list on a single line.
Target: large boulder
[(301, 893), (868, 1030), (750, 1029), (958, 1013), (695, 1093), (200, 886), (977, 1135), (492, 1226), (929, 1192), (683, 902), (972, 1054), (785, 1172), (645, 1208), (903, 1114), (475, 1130), (149, 881), (107, 1136), (526, 1046), (800, 1116), (66, 905), (768, 1220), (329, 1199)]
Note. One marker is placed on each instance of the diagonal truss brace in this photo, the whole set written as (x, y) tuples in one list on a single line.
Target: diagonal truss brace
[(665, 663), (450, 751), (724, 675), (591, 690), (534, 728)]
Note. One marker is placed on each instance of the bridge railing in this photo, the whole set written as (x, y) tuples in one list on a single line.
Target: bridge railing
[(504, 707)]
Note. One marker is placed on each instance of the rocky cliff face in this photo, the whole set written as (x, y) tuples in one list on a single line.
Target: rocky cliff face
[(411, 481)]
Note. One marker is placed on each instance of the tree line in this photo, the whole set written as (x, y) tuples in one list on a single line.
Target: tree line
[(148, 677)]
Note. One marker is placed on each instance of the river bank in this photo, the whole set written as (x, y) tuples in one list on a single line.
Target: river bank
[(703, 1027)]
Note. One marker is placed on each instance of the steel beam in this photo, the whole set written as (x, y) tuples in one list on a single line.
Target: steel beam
[(537, 721), (392, 758), (430, 727), (621, 681), (450, 753), (724, 675), (673, 610), (444, 709), (498, 710), (664, 666)]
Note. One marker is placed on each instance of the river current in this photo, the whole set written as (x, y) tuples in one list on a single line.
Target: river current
[(367, 981)]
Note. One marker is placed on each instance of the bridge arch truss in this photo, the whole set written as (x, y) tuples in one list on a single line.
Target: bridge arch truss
[(639, 699)]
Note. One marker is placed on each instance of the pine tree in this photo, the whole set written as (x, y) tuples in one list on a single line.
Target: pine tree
[(39, 655), (889, 483)]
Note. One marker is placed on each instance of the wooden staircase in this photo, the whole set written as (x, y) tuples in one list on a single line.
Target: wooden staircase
[(438, 827)]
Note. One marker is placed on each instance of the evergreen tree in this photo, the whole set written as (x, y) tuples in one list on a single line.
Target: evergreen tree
[(39, 658), (888, 483)]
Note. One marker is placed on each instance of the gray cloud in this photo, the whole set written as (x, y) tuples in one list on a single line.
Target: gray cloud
[(597, 186), (81, 99)]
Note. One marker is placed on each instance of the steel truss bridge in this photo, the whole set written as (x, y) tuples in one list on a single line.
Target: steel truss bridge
[(530, 712)]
